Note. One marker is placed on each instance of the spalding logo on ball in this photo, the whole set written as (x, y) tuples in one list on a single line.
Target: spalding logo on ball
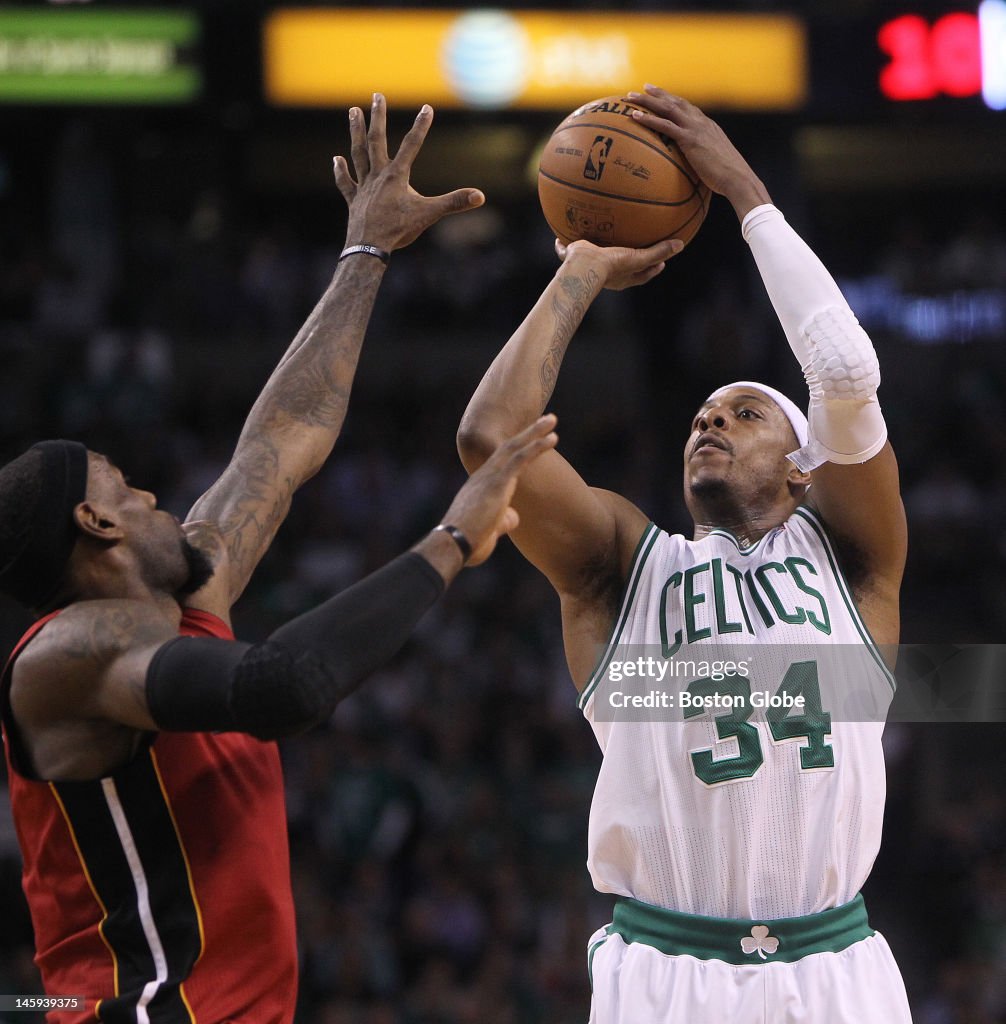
[(607, 178)]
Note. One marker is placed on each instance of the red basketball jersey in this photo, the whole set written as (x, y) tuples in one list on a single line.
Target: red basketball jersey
[(161, 893)]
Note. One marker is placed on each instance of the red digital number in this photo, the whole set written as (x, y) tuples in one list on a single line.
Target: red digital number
[(927, 60), (909, 75), (957, 54)]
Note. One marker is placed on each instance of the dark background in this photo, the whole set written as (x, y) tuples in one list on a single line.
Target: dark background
[(154, 263)]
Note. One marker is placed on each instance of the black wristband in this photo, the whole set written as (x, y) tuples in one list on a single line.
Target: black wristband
[(367, 250), (459, 538)]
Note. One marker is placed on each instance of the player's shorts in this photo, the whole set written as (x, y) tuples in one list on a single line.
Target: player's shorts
[(655, 966)]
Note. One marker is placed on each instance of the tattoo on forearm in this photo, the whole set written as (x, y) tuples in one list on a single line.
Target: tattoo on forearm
[(568, 308), (313, 383), (258, 500), (580, 290)]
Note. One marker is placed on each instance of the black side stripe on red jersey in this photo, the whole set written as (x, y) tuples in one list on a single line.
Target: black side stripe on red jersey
[(127, 839)]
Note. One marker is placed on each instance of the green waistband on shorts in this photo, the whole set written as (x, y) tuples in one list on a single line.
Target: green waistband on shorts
[(737, 941)]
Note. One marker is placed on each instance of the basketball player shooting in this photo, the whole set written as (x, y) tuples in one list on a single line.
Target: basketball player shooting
[(147, 795), (736, 849)]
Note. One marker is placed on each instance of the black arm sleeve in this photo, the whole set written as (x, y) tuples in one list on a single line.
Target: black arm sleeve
[(369, 621), (294, 679)]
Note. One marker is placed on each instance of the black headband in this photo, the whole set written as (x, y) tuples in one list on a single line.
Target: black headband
[(36, 559)]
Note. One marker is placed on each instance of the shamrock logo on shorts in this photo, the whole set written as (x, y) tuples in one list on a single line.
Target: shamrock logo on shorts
[(759, 940)]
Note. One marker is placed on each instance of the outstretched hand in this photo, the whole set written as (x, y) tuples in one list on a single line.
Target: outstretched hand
[(384, 209), (481, 509), (619, 267), (710, 152)]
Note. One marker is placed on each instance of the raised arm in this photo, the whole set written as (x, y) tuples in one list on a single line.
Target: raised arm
[(296, 420), (854, 472), (103, 673), (580, 537)]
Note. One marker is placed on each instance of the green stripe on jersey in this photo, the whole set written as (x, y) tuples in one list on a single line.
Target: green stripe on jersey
[(590, 955), (749, 549), (639, 557), (843, 588)]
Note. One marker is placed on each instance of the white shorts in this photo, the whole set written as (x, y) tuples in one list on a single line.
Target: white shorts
[(634, 982)]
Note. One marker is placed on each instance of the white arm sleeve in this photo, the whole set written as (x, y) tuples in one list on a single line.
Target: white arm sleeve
[(834, 352)]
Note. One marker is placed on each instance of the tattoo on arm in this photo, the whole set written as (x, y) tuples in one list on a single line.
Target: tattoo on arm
[(111, 630), (258, 499), (85, 672), (316, 398), (311, 385), (569, 306)]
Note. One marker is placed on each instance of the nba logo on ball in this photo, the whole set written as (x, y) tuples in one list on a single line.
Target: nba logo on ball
[(594, 167), (486, 57), (649, 190)]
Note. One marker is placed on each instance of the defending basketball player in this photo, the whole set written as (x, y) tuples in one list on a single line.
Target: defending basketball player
[(736, 845), (147, 797)]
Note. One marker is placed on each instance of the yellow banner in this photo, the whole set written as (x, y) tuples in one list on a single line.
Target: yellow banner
[(493, 59)]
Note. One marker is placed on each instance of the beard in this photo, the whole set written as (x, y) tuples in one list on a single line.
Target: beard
[(714, 488), (200, 569), (715, 494)]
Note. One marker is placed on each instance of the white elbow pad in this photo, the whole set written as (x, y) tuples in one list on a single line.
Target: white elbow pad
[(842, 373), (834, 352)]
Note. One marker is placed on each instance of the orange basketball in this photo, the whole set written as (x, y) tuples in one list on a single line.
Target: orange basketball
[(606, 178)]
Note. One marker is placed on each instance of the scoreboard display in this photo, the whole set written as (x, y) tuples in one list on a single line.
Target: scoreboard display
[(958, 54), (949, 62), (826, 63), (831, 63)]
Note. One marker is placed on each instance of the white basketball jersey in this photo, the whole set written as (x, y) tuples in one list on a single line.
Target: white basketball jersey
[(730, 810)]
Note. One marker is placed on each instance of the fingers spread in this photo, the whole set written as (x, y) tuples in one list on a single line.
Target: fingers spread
[(511, 450), (377, 136), (542, 425), (358, 143), (343, 178), (459, 200), (530, 450), (414, 138)]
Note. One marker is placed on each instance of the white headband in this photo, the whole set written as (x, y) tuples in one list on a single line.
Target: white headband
[(796, 418)]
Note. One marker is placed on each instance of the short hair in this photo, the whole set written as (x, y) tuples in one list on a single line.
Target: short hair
[(38, 492)]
